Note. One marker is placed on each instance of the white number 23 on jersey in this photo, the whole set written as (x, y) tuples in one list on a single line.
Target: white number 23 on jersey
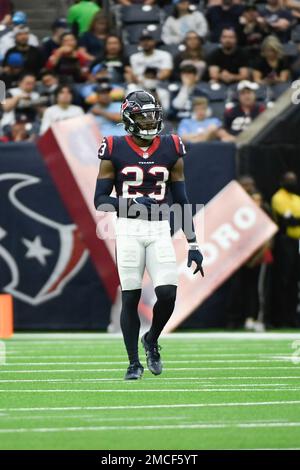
[(138, 179)]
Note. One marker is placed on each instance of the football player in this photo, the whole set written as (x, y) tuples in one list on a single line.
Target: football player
[(143, 167)]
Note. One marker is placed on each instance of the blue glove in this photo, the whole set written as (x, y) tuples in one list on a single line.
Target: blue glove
[(143, 200), (196, 256)]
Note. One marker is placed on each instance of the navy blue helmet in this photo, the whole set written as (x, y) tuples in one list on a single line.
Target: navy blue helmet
[(142, 115)]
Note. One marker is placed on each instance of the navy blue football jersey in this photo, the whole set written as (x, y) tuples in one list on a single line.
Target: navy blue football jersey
[(142, 172)]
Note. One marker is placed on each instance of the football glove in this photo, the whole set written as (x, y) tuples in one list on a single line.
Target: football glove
[(196, 256), (143, 200)]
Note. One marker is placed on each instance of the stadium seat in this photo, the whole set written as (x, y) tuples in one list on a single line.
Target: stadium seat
[(172, 48), (134, 31), (139, 14), (295, 35), (213, 93), (290, 48), (217, 109), (210, 47), (280, 88), (131, 49)]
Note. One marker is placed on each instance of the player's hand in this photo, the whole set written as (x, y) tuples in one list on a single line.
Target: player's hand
[(144, 200), (196, 256)]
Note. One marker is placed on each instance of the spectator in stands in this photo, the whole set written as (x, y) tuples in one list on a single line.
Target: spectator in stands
[(229, 63), (87, 91), (240, 116), (93, 40), (286, 209), (8, 38), (99, 74), (4, 27), (182, 101), (248, 183), (32, 56), (107, 112), (192, 54), (63, 109), (13, 70), (252, 28), (68, 62), (201, 127), (81, 14), (151, 84), (224, 16), (182, 21), (150, 57), (272, 67), (50, 44), (18, 132), (277, 20), (115, 60), (48, 87), (22, 102)]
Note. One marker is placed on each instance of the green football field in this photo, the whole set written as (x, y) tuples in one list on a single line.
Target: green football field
[(218, 391)]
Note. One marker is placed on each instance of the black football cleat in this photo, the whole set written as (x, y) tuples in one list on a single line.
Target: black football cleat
[(153, 357), (134, 371)]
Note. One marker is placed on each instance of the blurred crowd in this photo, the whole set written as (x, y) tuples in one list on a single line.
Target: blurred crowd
[(214, 65)]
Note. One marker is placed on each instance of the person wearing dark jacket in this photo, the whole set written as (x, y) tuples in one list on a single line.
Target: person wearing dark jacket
[(238, 117), (32, 56)]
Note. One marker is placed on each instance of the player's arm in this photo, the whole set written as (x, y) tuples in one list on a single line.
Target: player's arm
[(103, 201), (178, 190)]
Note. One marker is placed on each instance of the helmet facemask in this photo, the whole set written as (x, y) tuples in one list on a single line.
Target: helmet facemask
[(147, 124)]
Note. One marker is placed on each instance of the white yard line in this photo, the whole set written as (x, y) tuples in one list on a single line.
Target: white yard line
[(97, 370), (12, 355), (176, 336), (156, 390), (144, 407), (153, 427), (174, 380), (167, 379), (89, 417), (192, 361)]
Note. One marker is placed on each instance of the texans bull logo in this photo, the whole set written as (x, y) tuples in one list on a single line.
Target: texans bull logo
[(46, 253)]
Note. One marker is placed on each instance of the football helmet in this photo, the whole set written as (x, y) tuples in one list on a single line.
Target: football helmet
[(142, 115)]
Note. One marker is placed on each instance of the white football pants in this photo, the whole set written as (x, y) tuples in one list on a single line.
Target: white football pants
[(144, 244)]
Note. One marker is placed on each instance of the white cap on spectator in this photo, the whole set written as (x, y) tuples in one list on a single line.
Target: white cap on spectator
[(21, 29), (247, 84)]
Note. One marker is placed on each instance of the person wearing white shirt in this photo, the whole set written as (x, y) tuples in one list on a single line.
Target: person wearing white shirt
[(150, 57), (21, 101), (62, 110), (183, 21), (8, 37)]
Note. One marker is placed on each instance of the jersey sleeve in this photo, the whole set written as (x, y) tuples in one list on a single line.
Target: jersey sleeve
[(179, 145), (105, 149)]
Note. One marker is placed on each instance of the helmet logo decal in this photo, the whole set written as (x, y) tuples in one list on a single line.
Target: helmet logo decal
[(125, 105)]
